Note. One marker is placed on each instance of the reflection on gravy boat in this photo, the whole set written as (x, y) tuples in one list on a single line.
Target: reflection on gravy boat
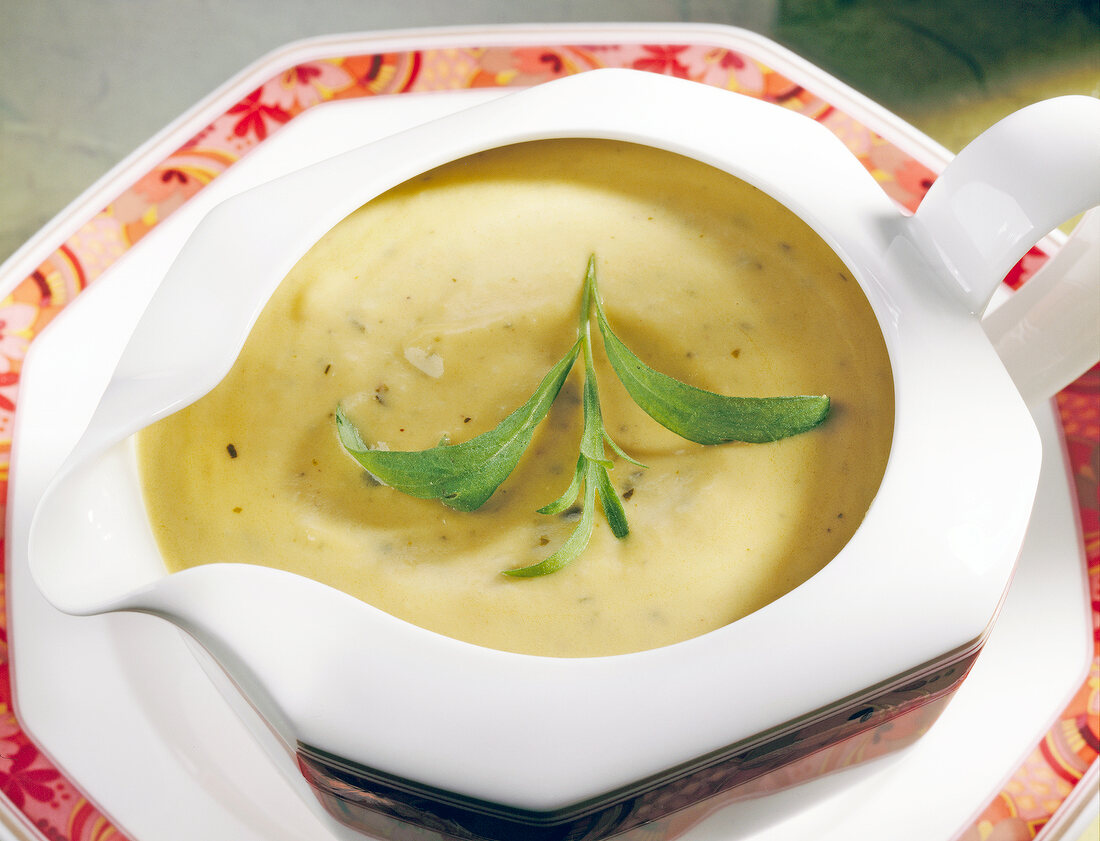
[(404, 732), (434, 311)]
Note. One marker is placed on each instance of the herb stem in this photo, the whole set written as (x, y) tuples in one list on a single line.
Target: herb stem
[(592, 464)]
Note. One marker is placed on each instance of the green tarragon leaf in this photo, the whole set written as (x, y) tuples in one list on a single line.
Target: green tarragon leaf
[(566, 500), (699, 415), (576, 542), (612, 507), (462, 476)]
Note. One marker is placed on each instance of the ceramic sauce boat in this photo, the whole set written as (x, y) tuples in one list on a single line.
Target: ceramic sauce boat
[(401, 732)]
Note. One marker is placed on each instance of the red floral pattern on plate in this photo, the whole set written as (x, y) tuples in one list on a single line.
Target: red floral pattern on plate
[(52, 803)]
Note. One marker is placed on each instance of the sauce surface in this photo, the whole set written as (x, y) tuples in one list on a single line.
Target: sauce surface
[(436, 309)]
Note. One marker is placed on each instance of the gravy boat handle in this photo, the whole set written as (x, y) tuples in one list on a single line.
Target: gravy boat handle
[(1007, 189), (1048, 333)]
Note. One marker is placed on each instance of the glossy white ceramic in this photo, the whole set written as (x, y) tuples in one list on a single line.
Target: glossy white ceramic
[(965, 460)]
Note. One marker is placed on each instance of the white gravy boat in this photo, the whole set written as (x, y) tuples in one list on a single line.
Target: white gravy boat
[(399, 730)]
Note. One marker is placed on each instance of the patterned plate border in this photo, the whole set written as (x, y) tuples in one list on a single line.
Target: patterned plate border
[(39, 792)]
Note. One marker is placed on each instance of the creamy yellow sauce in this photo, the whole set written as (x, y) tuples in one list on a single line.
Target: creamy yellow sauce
[(436, 309)]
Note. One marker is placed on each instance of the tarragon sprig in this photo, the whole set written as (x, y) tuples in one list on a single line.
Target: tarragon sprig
[(592, 464), (464, 476)]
